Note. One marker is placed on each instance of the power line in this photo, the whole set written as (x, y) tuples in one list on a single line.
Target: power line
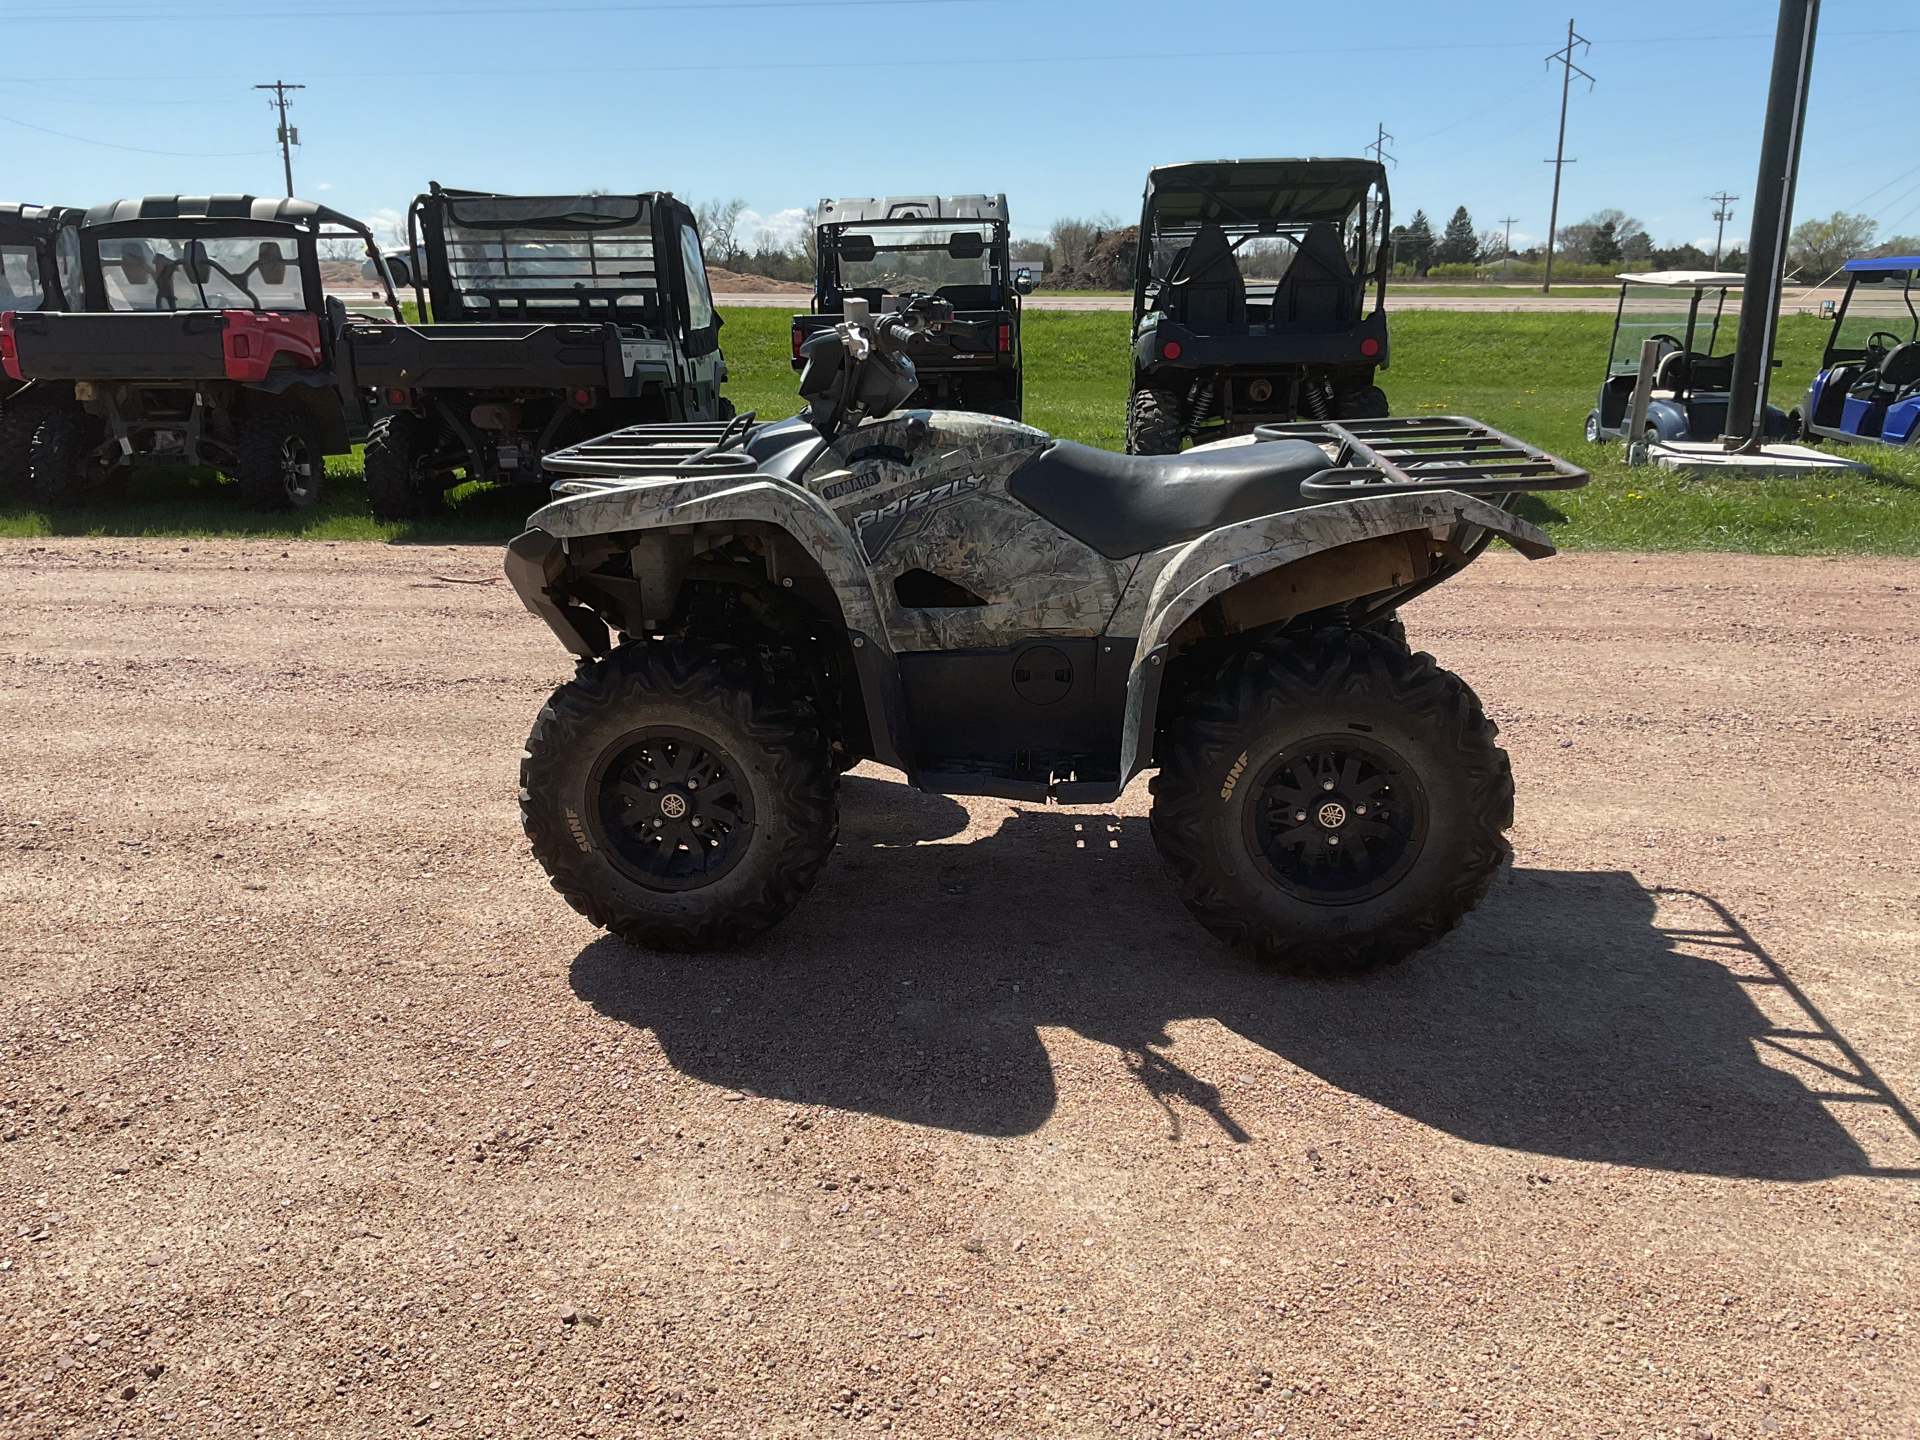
[(1559, 161), (135, 149), (289, 137), (1723, 212)]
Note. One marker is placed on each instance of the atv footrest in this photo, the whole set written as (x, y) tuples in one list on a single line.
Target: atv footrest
[(1412, 453)]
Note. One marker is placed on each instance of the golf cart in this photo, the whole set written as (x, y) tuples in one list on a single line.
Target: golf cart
[(1683, 311), (1250, 298), (39, 270), (754, 608), (553, 318), (206, 340), (955, 246), (1868, 388)]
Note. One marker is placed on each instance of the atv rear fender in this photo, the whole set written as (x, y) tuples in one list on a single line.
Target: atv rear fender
[(1267, 571)]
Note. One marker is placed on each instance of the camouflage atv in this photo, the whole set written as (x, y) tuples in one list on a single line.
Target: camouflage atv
[(995, 612)]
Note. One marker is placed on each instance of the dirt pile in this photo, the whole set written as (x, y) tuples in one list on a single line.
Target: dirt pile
[(1107, 263), (732, 282)]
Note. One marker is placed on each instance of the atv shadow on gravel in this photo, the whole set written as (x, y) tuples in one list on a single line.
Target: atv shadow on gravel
[(1561, 1020)]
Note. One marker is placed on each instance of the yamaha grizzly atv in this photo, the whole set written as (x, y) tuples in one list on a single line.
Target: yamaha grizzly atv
[(995, 612)]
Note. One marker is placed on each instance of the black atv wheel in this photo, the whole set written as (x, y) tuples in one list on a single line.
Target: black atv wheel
[(399, 484), (1366, 402), (279, 465), (63, 464), (1153, 423), (1337, 802), (18, 425), (680, 796)]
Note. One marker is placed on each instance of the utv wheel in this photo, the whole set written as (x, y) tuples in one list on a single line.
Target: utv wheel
[(681, 797), (279, 463), (1369, 402), (1592, 428), (63, 464), (399, 485), (1153, 423), (1338, 803), (1391, 626), (17, 428)]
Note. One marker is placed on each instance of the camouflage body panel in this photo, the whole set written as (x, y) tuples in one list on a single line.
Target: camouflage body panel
[(927, 490)]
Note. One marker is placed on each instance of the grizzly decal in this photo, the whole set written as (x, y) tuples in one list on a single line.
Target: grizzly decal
[(877, 528)]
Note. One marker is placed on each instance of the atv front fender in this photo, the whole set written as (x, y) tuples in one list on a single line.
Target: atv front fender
[(1172, 585)]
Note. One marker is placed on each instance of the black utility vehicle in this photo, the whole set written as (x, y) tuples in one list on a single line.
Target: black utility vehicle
[(545, 320), (206, 340), (1250, 298), (754, 608), (39, 270), (954, 246)]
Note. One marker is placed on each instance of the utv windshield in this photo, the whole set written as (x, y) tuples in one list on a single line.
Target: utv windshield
[(511, 254), (1883, 303), (226, 272), (20, 278), (899, 259)]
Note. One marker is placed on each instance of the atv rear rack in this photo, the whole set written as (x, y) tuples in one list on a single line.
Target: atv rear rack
[(1411, 454)]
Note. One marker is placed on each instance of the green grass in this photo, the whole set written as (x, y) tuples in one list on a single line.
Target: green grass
[(1534, 375)]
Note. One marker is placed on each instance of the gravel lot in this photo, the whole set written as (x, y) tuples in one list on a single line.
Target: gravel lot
[(323, 1116)]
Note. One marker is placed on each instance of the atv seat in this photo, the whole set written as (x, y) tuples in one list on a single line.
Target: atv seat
[(1125, 505)]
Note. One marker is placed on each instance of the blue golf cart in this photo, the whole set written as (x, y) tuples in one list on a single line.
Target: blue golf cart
[(1683, 311), (1868, 388)]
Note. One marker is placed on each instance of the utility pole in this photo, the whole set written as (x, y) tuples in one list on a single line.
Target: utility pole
[(1379, 146), (289, 136), (1723, 212), (1560, 161), (1772, 214), (1506, 246)]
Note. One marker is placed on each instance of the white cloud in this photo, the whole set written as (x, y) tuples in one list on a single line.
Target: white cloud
[(324, 185), (785, 227), (389, 227)]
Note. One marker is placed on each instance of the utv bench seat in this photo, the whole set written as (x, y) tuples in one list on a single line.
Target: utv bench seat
[(1125, 505)]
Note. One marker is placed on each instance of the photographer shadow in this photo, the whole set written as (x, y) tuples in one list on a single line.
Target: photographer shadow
[(916, 981)]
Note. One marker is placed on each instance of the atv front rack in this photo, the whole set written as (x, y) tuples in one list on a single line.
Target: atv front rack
[(1410, 454), (685, 449)]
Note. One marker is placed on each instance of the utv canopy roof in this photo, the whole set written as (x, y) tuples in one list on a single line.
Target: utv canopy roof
[(867, 211), (1686, 279), (1884, 262), (17, 215), (486, 210), (221, 207), (1290, 192)]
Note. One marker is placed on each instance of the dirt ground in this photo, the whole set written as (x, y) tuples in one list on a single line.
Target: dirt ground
[(323, 1116)]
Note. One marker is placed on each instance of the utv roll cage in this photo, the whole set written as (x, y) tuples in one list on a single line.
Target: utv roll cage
[(50, 232), (836, 218)]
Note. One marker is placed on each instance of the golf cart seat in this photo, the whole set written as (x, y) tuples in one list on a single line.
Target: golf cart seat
[(1316, 293), (1129, 504), (1211, 295), (1671, 373), (1901, 368)]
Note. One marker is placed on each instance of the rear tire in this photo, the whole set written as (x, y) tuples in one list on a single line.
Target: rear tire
[(62, 466), (279, 465), (1797, 428), (1369, 402), (1392, 732), (399, 486), (1153, 423), (18, 425), (629, 843), (1591, 431)]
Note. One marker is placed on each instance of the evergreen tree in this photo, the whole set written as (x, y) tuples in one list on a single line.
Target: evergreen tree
[(1416, 243), (1458, 244), (1604, 248)]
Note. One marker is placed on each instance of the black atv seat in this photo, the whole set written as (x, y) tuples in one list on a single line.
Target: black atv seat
[(1125, 505)]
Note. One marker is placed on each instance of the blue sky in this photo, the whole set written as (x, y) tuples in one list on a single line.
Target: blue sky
[(1064, 104)]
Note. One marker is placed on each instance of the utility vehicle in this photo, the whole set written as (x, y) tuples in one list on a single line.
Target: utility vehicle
[(545, 320), (995, 612), (39, 270), (206, 340), (1868, 386), (1683, 310), (955, 246), (1250, 298)]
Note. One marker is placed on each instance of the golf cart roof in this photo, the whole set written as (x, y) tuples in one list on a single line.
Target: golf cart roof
[(1884, 262), (1295, 192), (221, 207), (1686, 279), (865, 210)]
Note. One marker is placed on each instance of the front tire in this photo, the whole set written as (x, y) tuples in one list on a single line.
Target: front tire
[(1271, 765), (399, 485), (1592, 429), (18, 425), (279, 465), (1153, 423), (680, 796)]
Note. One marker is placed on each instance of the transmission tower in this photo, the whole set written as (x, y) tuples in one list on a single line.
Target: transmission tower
[(1560, 161)]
